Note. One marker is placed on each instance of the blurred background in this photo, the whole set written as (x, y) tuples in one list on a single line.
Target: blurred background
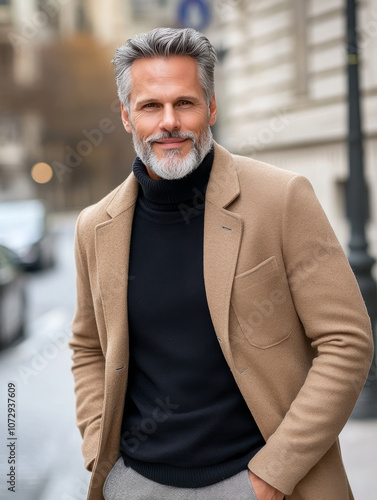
[(282, 94)]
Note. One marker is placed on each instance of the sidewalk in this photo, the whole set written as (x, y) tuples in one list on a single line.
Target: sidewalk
[(359, 447)]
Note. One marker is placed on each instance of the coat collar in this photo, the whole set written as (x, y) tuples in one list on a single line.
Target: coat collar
[(223, 186), (125, 197)]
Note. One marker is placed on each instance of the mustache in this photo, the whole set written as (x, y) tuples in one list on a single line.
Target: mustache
[(171, 135)]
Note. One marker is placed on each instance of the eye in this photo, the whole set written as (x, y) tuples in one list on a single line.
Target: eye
[(150, 105), (185, 103)]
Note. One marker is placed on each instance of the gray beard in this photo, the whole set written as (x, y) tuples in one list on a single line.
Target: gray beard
[(173, 166)]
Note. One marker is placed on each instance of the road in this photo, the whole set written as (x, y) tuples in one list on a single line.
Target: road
[(49, 465)]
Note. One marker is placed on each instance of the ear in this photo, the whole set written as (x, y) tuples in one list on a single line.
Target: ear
[(212, 111), (126, 120)]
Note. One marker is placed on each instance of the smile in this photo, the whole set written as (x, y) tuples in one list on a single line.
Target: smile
[(171, 143)]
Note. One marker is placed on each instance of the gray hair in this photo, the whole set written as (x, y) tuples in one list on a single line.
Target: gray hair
[(165, 42)]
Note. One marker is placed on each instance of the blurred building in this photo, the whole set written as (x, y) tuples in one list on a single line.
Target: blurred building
[(281, 90), (286, 92), (19, 133), (58, 104), (117, 20)]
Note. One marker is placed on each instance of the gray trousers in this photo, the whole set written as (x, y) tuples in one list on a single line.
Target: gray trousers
[(123, 483)]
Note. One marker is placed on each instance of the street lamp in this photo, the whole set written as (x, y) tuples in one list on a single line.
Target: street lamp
[(358, 209)]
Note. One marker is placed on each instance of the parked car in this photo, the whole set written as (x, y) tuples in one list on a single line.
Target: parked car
[(12, 298), (24, 229)]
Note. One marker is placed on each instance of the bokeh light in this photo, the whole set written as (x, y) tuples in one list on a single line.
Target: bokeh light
[(42, 173)]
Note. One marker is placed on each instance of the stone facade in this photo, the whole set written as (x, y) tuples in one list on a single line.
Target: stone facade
[(285, 93)]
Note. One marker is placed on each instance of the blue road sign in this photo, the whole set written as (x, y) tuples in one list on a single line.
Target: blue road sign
[(194, 14)]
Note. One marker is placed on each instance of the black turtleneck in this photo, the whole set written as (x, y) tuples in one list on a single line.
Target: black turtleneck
[(185, 422)]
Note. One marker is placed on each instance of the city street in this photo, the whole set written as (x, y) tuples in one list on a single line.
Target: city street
[(49, 465)]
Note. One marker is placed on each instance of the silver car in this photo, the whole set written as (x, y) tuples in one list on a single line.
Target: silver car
[(24, 229), (12, 298)]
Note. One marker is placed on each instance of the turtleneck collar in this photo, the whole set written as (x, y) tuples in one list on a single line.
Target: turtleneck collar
[(170, 194)]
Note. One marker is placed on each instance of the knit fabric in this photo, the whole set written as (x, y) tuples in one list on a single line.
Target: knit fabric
[(181, 395)]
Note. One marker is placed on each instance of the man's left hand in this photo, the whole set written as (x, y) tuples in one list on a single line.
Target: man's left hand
[(263, 490)]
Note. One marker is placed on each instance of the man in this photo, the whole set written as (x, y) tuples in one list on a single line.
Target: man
[(220, 340)]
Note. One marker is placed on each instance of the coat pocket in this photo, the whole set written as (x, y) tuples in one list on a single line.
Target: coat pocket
[(262, 303)]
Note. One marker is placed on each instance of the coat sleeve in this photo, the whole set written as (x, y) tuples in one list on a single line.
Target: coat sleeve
[(88, 359), (331, 309)]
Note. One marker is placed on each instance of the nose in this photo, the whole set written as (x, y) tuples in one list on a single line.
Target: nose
[(169, 120)]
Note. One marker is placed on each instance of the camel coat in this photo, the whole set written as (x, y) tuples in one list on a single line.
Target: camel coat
[(285, 306)]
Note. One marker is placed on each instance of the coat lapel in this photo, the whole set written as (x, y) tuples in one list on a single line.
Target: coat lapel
[(222, 239), (112, 250)]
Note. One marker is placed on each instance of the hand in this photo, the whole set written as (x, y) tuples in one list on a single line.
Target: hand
[(263, 490)]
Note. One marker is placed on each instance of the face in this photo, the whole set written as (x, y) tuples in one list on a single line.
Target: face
[(169, 117)]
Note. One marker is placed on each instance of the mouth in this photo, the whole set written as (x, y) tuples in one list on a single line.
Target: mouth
[(171, 143)]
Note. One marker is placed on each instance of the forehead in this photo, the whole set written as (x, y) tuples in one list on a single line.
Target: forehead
[(163, 75)]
